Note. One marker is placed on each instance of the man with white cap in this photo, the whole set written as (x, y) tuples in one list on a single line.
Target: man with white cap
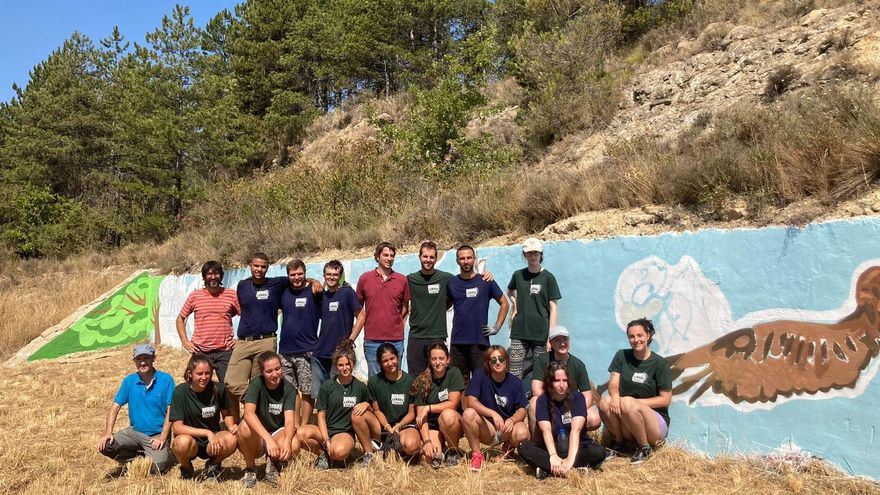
[(579, 379), (148, 395), (533, 292)]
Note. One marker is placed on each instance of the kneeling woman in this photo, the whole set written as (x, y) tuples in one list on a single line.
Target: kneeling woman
[(343, 414), (496, 410), (269, 425), (392, 403), (437, 392), (196, 408), (563, 442), (639, 393)]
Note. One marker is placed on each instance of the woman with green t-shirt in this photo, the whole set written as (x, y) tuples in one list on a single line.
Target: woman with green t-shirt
[(269, 425), (437, 392), (196, 408), (639, 393), (393, 404), (344, 414)]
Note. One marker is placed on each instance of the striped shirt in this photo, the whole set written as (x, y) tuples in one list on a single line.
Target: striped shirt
[(213, 319)]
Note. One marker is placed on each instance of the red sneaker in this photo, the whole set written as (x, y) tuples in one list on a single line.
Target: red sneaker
[(476, 460)]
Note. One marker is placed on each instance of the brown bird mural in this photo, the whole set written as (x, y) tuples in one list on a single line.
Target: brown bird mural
[(786, 358)]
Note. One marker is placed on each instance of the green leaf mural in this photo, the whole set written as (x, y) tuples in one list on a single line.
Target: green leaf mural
[(129, 315)]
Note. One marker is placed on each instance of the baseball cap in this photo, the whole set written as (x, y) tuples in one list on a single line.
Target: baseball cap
[(558, 331), (142, 349), (532, 244)]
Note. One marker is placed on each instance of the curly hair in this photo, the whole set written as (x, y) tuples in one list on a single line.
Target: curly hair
[(345, 348), (421, 386)]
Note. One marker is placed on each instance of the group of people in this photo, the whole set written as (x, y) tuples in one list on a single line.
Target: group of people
[(467, 388)]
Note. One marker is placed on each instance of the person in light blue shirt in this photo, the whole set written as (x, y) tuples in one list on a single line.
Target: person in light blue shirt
[(147, 392)]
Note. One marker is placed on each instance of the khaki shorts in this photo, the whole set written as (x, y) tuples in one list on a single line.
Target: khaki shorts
[(243, 363)]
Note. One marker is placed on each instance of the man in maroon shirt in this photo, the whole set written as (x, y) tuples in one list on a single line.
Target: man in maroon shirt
[(384, 294)]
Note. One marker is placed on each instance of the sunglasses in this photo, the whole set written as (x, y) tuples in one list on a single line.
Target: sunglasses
[(497, 360)]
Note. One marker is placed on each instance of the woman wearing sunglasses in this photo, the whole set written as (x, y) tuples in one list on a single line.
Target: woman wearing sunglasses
[(562, 442), (496, 409)]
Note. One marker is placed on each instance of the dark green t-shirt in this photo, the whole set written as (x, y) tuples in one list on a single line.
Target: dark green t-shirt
[(337, 401), (642, 379), (534, 291), (199, 410), (393, 397), (427, 317), (271, 404), (578, 377), (452, 381)]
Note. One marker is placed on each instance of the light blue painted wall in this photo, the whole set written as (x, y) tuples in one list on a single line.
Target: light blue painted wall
[(791, 272)]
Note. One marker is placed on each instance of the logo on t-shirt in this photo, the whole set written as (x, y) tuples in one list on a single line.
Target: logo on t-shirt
[(397, 399), (334, 306), (501, 400), (348, 401), (443, 395), (472, 292), (534, 289), (209, 412), (640, 377), (300, 302), (566, 418), (434, 289), (262, 294), (275, 408)]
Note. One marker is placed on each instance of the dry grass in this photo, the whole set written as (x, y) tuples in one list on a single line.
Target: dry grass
[(36, 294), (49, 429)]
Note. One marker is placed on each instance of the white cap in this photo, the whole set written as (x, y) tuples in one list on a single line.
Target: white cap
[(558, 331), (532, 244)]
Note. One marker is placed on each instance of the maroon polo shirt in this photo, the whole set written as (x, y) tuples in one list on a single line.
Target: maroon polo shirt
[(382, 301)]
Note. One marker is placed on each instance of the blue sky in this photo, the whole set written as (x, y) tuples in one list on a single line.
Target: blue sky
[(31, 31)]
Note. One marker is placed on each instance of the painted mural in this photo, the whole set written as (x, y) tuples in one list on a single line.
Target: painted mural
[(773, 333)]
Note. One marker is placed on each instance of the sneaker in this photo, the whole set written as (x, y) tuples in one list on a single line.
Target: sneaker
[(211, 473), (271, 471), (249, 480), (187, 473), (641, 455), (322, 462), (476, 460), (377, 445), (366, 459), (541, 474), (453, 458)]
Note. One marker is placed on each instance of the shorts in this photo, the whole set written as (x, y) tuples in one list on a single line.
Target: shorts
[(402, 428), (467, 357), (434, 421), (664, 428), (243, 363), (263, 450), (202, 452), (297, 369)]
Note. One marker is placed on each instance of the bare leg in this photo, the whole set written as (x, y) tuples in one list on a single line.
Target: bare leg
[(248, 444), (450, 427), (365, 427)]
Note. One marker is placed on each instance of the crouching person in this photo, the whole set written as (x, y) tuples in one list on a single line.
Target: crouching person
[(148, 395), (270, 423), (196, 410)]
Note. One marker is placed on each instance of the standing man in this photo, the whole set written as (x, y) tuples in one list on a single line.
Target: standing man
[(578, 378), (427, 318), (214, 306), (148, 395), (300, 315), (469, 295), (339, 308), (259, 299), (385, 296), (534, 293)]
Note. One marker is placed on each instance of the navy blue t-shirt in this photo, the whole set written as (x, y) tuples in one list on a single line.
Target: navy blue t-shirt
[(470, 305), (505, 397), (259, 306), (337, 318), (560, 420), (300, 314)]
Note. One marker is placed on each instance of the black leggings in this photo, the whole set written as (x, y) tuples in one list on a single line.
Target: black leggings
[(590, 454)]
